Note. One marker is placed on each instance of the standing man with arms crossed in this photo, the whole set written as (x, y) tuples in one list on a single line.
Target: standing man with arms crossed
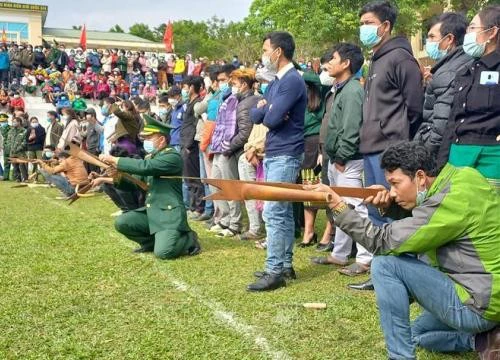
[(392, 108), (282, 110)]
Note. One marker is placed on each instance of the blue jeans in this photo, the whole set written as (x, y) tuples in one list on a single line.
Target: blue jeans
[(446, 325), (374, 175), (185, 191), (59, 181), (278, 216), (209, 204)]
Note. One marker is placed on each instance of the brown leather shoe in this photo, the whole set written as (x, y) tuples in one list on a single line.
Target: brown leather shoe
[(488, 344)]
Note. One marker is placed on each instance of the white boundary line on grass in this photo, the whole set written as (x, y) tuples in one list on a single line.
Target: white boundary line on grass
[(229, 318), (218, 311)]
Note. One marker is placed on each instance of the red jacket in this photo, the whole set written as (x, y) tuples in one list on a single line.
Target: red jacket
[(17, 103)]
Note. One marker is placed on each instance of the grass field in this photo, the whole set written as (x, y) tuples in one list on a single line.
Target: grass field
[(70, 288)]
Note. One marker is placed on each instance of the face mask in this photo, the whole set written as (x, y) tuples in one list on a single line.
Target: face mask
[(49, 120), (263, 88), (368, 35), (433, 50), (223, 86), (208, 82), (472, 47), (104, 111), (16, 96), (173, 102), (34, 125), (4, 124), (162, 113), (14, 124), (49, 155), (67, 117), (235, 90), (149, 146), (185, 94), (326, 79), (421, 196), (267, 62)]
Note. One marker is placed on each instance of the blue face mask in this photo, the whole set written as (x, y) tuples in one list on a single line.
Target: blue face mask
[(263, 88), (185, 94), (368, 35), (433, 50), (105, 111), (49, 154), (162, 113), (421, 196), (223, 87), (149, 146), (472, 47)]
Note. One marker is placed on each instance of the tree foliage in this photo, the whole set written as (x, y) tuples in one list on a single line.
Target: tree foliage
[(142, 31), (117, 29), (316, 26)]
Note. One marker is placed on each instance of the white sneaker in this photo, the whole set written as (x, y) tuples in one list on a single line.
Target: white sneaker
[(226, 233), (116, 214), (62, 197), (216, 228)]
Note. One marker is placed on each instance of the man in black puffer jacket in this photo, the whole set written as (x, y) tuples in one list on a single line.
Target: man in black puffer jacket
[(444, 40)]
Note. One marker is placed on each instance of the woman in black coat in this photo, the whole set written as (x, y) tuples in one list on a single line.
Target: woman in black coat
[(35, 138)]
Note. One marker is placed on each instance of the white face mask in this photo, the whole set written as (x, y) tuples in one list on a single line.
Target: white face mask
[(326, 79), (173, 102), (268, 64), (235, 90)]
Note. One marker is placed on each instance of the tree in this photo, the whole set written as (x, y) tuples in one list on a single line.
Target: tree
[(324, 22), (471, 7), (77, 27), (142, 31), (116, 29)]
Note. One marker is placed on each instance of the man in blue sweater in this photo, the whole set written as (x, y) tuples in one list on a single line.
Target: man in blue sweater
[(282, 110)]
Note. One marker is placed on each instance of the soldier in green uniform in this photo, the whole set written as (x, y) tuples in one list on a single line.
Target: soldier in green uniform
[(18, 146), (161, 226), (4, 130)]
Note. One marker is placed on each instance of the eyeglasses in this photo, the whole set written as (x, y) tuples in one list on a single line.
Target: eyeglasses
[(472, 28)]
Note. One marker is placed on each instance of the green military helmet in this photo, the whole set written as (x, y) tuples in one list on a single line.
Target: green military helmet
[(154, 126), (4, 117)]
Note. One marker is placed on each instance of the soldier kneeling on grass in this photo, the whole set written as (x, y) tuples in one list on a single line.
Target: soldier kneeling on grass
[(161, 226)]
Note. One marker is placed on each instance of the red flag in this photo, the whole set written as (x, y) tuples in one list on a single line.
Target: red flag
[(4, 36), (168, 37), (83, 38)]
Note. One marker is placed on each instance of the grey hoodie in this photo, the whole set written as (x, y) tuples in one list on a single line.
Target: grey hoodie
[(394, 95)]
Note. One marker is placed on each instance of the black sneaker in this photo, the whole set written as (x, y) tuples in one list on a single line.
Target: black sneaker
[(288, 274), (196, 248), (324, 247), (143, 249), (267, 282)]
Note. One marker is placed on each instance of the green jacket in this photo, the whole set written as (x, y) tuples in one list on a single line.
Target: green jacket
[(342, 138), (312, 120), (164, 204), (121, 63), (79, 105), (457, 226), (17, 141), (5, 135)]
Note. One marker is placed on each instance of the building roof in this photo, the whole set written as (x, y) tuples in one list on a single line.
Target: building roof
[(94, 35)]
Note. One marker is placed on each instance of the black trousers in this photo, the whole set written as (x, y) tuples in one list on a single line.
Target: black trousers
[(20, 172), (125, 200), (191, 159)]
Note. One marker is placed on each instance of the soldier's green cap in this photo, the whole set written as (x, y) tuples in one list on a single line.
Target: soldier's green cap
[(4, 117), (153, 126)]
